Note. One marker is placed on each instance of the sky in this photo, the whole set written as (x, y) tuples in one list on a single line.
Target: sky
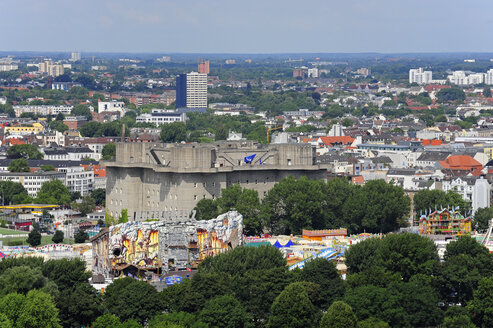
[(253, 26)]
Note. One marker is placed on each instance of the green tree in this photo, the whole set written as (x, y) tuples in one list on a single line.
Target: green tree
[(90, 129), (407, 254), (107, 320), (81, 237), (457, 317), (11, 306), (99, 196), (293, 205), (206, 209), (87, 205), (183, 319), (453, 94), (339, 315), (428, 200), (80, 305), (34, 238), (482, 304), (109, 151), (325, 274), (21, 279), (224, 312), (58, 237), (173, 132), (377, 207), (81, 110), (123, 216), (246, 202), (13, 193), (293, 308), (38, 311), (66, 273), (27, 151), (19, 165), (487, 92), (53, 192), (58, 126), (482, 218), (362, 256), (347, 122), (132, 299), (47, 167), (243, 259), (5, 322), (258, 289), (372, 323)]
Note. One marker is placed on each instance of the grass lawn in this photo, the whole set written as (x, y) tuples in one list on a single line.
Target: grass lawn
[(4, 231), (45, 240)]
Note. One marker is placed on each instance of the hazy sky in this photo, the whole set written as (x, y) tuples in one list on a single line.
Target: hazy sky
[(254, 26)]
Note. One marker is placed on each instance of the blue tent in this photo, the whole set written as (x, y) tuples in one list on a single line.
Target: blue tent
[(277, 244), (289, 243)]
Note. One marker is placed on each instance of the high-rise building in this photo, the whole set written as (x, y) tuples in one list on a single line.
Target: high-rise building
[(313, 72), (489, 77), (51, 69), (191, 90), (75, 56), (420, 76), (204, 66)]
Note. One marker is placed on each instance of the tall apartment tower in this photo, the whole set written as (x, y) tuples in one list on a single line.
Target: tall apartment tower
[(420, 76), (75, 56), (204, 66), (50, 68), (191, 90)]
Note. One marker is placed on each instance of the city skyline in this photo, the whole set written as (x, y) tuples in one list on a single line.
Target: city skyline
[(223, 27)]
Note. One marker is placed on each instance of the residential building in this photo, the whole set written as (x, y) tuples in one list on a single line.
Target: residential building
[(489, 77), (420, 76), (65, 86), (34, 128), (191, 90), (75, 122), (8, 67), (161, 116), (42, 110), (51, 69), (76, 56), (481, 194), (111, 106), (32, 181), (203, 66), (313, 72), (78, 179)]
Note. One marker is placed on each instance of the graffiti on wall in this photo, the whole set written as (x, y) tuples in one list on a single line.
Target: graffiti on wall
[(135, 243), (220, 234)]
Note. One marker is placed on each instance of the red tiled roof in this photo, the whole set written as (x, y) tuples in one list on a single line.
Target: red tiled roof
[(461, 162), (345, 140)]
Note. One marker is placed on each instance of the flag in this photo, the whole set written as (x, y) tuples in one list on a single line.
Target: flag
[(249, 159)]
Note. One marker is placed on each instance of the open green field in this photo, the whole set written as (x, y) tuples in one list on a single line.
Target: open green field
[(45, 240), (4, 231)]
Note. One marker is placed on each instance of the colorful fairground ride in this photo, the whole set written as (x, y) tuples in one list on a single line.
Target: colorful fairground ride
[(445, 222)]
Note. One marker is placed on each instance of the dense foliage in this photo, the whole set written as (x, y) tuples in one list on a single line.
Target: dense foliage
[(293, 205)]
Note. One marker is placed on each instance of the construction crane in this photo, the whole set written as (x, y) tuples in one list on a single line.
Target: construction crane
[(272, 129)]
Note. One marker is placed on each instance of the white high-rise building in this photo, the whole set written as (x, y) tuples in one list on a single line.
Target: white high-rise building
[(191, 90), (313, 72), (489, 77), (75, 56), (420, 76), (460, 78), (481, 194)]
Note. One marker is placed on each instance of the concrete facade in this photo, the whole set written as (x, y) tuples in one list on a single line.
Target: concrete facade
[(148, 177)]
